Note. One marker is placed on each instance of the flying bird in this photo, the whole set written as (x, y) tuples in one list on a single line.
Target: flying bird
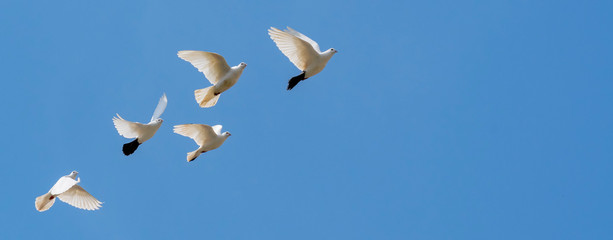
[(216, 70), (207, 137), (67, 190), (142, 132), (302, 51)]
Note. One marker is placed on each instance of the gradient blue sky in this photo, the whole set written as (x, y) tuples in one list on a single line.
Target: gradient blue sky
[(436, 120)]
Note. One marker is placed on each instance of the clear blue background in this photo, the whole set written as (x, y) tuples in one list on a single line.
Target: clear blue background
[(436, 120)]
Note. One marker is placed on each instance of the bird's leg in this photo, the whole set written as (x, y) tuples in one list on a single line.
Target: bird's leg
[(295, 80)]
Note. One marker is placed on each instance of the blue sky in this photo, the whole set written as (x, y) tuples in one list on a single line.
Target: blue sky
[(436, 120)]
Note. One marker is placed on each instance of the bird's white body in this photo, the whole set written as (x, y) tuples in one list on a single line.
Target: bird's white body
[(216, 70), (208, 138), (146, 131), (228, 80), (67, 190), (213, 143), (318, 65)]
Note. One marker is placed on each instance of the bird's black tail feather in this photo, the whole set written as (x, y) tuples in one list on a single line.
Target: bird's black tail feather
[(130, 147), (295, 80)]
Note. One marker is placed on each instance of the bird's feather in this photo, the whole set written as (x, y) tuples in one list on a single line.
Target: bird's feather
[(217, 129), (213, 65), (160, 108), (303, 37), (199, 132), (44, 202), (299, 51), (77, 197), (206, 97), (128, 129)]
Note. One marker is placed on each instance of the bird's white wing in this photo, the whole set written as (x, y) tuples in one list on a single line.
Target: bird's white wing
[(213, 65), (300, 52), (199, 132), (160, 108), (62, 185), (217, 129), (303, 37), (79, 198), (128, 129)]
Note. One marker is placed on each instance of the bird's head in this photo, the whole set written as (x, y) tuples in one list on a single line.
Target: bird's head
[(159, 120), (73, 174), (332, 50), (227, 134), (242, 65)]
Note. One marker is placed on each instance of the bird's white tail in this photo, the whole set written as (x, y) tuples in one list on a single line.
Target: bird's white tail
[(206, 97), (44, 202), (192, 155)]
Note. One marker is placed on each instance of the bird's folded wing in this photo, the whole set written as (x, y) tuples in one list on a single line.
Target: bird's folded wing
[(199, 132), (213, 65), (303, 37), (62, 185), (126, 128), (160, 108), (217, 129), (79, 198), (300, 52)]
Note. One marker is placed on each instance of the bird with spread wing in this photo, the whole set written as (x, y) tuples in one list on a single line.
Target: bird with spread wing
[(216, 70), (302, 51), (142, 132), (207, 137), (67, 190)]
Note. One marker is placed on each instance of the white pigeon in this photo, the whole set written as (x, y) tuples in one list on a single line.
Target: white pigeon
[(69, 192), (302, 51), (207, 137), (142, 132), (216, 70)]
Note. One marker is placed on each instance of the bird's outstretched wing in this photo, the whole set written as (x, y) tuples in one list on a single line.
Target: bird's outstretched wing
[(303, 37), (79, 198), (160, 108), (126, 128), (299, 51), (199, 132), (62, 185), (213, 65)]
